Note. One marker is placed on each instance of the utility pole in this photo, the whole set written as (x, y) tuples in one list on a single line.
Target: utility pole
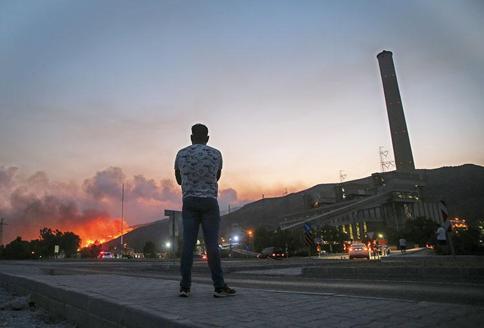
[(385, 162), (2, 223), (122, 219), (342, 176)]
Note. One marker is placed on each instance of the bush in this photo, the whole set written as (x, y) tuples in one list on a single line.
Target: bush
[(420, 230), (18, 249), (149, 250), (466, 241), (91, 251)]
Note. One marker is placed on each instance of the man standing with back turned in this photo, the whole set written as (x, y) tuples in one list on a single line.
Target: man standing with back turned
[(197, 169)]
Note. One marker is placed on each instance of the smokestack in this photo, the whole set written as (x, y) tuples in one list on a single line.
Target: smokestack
[(398, 127)]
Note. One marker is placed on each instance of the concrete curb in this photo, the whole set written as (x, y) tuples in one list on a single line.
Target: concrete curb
[(89, 311), (404, 273)]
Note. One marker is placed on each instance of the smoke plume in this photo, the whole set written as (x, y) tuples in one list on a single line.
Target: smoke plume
[(91, 209)]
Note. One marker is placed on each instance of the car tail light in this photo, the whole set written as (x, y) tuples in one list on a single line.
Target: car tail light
[(273, 254)]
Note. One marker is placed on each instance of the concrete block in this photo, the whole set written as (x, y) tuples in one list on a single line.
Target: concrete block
[(141, 317), (77, 316), (99, 322), (74, 298), (105, 309)]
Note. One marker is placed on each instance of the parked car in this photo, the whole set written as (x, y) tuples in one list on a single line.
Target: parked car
[(358, 250), (105, 255), (273, 253)]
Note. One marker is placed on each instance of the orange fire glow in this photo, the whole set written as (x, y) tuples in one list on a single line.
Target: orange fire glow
[(98, 230)]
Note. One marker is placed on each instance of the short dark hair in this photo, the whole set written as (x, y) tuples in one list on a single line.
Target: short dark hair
[(199, 131)]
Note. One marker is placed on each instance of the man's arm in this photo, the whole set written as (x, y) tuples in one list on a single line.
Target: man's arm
[(177, 171), (219, 172), (178, 177)]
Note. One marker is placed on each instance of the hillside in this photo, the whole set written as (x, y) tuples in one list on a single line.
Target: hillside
[(156, 232), (461, 187)]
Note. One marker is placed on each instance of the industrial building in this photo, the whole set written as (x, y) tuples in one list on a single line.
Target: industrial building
[(386, 199)]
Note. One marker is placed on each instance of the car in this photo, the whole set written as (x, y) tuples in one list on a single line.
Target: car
[(384, 250), (105, 255), (272, 252), (358, 250)]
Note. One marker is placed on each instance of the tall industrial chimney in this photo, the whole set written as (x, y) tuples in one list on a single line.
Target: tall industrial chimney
[(398, 127)]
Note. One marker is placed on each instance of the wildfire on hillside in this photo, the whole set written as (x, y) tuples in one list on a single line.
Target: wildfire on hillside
[(98, 230)]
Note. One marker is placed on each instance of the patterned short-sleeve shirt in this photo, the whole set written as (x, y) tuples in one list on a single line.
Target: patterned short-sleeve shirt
[(199, 165)]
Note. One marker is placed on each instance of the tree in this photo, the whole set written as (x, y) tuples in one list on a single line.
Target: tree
[(48, 240), (334, 236), (149, 250), (420, 230), (91, 251), (69, 243), (290, 239), (466, 241), (18, 249), (262, 238)]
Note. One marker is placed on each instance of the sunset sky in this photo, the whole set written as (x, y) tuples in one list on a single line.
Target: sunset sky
[(290, 90)]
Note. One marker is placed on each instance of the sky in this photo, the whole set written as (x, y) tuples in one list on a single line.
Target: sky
[(290, 90)]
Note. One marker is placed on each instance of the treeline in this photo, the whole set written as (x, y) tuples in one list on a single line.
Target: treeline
[(419, 231), (293, 241), (422, 231), (44, 247)]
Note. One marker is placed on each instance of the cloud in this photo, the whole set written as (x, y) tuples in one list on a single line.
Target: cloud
[(93, 208), (105, 184), (6, 176)]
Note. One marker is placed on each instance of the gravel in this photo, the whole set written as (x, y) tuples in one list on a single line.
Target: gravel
[(19, 312)]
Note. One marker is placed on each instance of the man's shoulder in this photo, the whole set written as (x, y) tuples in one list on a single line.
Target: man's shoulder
[(184, 150), (197, 147), (213, 150)]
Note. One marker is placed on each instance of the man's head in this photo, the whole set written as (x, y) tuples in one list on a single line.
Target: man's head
[(199, 134)]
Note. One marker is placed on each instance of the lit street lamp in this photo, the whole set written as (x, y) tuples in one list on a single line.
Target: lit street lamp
[(250, 235)]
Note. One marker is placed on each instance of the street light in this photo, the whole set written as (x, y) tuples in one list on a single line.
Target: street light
[(168, 244), (236, 239), (250, 235)]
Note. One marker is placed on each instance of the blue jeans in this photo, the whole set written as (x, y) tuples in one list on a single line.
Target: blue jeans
[(204, 211)]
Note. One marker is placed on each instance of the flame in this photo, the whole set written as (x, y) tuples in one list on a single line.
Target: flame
[(98, 230)]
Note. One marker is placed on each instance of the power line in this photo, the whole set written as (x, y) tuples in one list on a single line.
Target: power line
[(385, 161), (342, 176)]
